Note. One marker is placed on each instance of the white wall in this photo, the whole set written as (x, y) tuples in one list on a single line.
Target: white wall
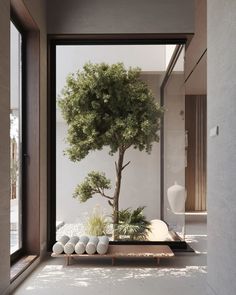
[(221, 149), (150, 58), (140, 182), (70, 58)]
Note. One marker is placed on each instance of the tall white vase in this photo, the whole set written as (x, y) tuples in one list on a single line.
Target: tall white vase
[(176, 195)]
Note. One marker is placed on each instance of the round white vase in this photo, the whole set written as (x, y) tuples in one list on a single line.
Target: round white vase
[(176, 195)]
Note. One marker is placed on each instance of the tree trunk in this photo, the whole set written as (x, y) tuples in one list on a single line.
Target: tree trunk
[(119, 167)]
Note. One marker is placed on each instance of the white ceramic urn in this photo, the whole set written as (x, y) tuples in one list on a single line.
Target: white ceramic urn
[(176, 195)]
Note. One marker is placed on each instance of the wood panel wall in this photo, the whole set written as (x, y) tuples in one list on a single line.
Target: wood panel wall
[(190, 127), (200, 161), (195, 172)]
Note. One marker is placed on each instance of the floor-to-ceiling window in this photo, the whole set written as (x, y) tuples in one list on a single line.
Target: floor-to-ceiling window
[(24, 140), (141, 181), (16, 136)]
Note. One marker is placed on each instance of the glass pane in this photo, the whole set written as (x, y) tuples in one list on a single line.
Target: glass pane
[(15, 139), (174, 150), (140, 183)]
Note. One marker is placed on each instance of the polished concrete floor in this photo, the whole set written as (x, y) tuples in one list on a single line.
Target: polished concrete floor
[(184, 274)]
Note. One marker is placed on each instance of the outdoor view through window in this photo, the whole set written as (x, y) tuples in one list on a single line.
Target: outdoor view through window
[(107, 141), (16, 139)]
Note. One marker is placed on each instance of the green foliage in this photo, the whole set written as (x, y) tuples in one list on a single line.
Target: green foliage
[(94, 183), (108, 105), (97, 224), (133, 223)]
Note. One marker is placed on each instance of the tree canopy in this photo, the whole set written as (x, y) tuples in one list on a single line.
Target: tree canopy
[(108, 105)]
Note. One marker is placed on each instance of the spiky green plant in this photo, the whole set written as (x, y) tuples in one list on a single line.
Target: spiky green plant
[(97, 224), (133, 223)]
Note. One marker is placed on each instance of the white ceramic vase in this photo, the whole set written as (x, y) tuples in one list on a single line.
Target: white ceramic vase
[(176, 195)]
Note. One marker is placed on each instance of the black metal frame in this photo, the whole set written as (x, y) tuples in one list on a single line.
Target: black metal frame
[(53, 41), (21, 251)]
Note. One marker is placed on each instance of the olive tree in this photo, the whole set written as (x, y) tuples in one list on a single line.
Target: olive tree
[(108, 105)]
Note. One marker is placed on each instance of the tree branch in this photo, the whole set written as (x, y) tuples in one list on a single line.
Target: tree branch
[(110, 203), (125, 165), (116, 168), (127, 146), (101, 192), (106, 196)]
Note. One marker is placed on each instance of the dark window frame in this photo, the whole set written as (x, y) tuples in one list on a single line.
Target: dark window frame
[(90, 39), (29, 31), (23, 116)]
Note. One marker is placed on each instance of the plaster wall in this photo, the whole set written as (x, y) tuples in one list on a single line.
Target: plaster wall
[(71, 58), (105, 16), (221, 149), (195, 68), (199, 41)]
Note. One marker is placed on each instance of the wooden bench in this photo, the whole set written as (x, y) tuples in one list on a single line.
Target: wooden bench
[(125, 251)]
